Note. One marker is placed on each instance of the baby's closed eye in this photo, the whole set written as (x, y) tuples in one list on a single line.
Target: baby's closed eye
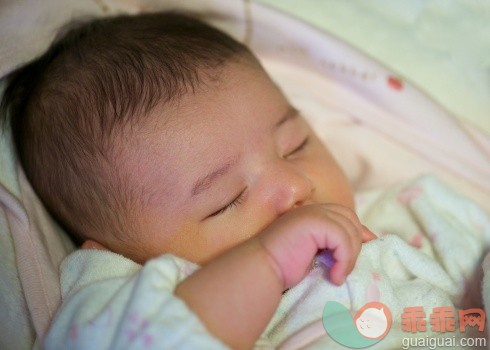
[(298, 148), (235, 202)]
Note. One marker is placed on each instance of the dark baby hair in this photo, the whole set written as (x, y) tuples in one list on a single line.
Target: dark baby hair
[(67, 108)]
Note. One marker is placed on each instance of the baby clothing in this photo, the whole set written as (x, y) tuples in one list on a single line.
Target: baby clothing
[(111, 302), (428, 255)]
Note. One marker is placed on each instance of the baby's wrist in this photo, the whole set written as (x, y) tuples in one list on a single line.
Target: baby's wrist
[(274, 265)]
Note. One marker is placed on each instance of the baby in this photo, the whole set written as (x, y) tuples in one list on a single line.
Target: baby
[(161, 144), (158, 134)]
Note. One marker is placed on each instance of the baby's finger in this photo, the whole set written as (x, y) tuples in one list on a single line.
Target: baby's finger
[(367, 234), (339, 272), (353, 231), (345, 254), (347, 212), (344, 264)]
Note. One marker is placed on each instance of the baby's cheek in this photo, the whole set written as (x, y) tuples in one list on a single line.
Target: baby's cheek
[(185, 241), (334, 187), (216, 237)]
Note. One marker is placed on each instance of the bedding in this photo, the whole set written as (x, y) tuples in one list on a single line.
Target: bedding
[(441, 46), (380, 127), (430, 244)]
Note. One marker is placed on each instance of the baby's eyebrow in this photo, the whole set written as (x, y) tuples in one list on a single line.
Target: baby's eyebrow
[(205, 182)]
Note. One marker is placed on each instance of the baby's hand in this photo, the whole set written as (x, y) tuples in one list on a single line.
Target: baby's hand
[(293, 240)]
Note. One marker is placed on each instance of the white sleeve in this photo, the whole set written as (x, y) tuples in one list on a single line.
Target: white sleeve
[(110, 302)]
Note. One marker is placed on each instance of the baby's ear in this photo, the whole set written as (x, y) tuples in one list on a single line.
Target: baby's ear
[(89, 244)]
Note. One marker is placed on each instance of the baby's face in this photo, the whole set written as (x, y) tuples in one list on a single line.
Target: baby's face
[(221, 164)]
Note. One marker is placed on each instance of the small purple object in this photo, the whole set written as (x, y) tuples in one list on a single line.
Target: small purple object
[(326, 258)]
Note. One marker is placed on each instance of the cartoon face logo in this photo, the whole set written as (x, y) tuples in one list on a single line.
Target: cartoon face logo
[(371, 324), (373, 320)]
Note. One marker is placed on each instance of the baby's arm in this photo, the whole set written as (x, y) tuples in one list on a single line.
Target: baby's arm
[(236, 294)]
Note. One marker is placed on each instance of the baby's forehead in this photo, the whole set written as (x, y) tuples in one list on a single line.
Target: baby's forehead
[(235, 78)]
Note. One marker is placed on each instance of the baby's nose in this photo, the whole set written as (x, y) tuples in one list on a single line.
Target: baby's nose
[(293, 189), (305, 202)]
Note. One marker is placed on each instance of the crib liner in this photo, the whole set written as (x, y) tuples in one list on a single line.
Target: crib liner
[(441, 45), (272, 35)]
